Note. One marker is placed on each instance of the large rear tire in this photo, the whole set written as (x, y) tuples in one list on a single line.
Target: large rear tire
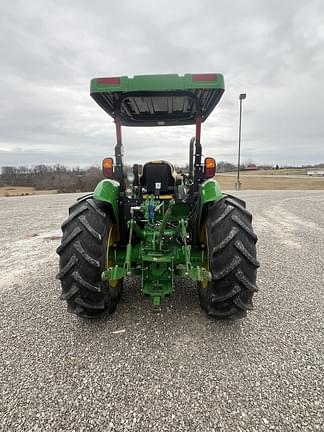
[(231, 245), (87, 233)]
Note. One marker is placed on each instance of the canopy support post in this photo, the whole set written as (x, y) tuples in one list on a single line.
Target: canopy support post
[(198, 152), (119, 171)]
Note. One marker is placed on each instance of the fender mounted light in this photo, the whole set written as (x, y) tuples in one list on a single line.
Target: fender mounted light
[(210, 167), (107, 167)]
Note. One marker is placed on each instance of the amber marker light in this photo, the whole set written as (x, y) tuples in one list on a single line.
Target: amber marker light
[(210, 167), (107, 167)]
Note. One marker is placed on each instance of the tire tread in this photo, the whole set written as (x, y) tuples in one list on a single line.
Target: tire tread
[(231, 243), (82, 259)]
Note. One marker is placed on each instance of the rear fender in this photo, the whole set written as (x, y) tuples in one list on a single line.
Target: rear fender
[(107, 191), (210, 192)]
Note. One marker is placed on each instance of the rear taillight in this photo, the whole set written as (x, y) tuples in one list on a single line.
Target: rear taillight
[(107, 167), (110, 81), (204, 77), (210, 167)]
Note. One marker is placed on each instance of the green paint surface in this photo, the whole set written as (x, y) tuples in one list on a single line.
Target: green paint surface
[(107, 191), (210, 192), (156, 83)]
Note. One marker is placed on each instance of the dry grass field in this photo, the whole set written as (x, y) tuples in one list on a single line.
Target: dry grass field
[(8, 191), (280, 172), (271, 182)]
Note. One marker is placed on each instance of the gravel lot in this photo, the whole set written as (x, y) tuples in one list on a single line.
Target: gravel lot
[(175, 370)]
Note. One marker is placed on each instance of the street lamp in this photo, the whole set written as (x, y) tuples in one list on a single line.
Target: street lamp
[(238, 184)]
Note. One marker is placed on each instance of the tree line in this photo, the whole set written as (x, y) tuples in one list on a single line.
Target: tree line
[(52, 177), (65, 179)]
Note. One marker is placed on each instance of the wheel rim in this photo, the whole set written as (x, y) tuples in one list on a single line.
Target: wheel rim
[(113, 237), (205, 263)]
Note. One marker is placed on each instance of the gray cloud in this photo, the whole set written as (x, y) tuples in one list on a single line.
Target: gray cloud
[(270, 50)]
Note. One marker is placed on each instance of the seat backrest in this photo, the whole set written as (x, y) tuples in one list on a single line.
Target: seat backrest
[(158, 172)]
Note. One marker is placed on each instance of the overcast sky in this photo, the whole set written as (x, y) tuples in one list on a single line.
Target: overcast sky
[(272, 50)]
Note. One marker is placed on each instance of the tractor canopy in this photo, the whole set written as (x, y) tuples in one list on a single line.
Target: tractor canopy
[(158, 100)]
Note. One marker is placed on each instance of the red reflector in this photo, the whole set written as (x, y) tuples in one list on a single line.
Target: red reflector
[(111, 80), (204, 77)]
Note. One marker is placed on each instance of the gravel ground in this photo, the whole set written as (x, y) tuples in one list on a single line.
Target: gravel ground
[(175, 370)]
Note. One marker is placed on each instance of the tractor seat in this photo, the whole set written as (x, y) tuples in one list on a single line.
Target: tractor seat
[(158, 172)]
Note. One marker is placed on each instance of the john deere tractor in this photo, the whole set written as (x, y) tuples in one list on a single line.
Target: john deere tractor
[(152, 221)]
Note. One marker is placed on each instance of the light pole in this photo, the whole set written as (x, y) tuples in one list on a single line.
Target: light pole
[(238, 184)]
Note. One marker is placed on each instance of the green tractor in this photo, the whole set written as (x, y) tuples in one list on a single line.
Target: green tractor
[(153, 222)]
